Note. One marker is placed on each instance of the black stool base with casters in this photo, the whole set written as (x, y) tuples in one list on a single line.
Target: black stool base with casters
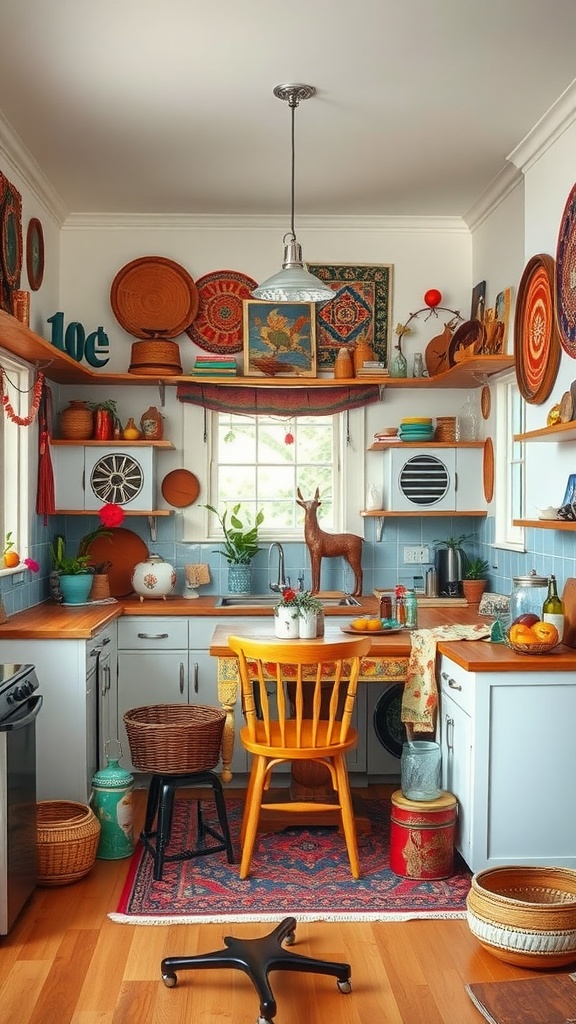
[(256, 957), (161, 804)]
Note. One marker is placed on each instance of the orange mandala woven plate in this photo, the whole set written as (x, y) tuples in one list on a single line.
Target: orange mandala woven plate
[(154, 297), (537, 346), (218, 326)]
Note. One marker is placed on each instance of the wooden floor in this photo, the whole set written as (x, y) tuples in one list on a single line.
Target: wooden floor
[(65, 962)]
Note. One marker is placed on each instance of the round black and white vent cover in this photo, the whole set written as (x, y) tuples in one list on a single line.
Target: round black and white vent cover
[(117, 478)]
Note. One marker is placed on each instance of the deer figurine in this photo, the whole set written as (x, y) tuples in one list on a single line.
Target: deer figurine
[(322, 544)]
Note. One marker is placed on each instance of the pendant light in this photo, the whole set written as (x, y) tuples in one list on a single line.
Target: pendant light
[(293, 283)]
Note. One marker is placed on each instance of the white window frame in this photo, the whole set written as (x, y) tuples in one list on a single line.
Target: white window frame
[(16, 441), (510, 417)]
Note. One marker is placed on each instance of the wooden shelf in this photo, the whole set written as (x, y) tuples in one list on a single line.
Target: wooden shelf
[(384, 514), (559, 432), (546, 524), (127, 512), (167, 445), (380, 446), (58, 366)]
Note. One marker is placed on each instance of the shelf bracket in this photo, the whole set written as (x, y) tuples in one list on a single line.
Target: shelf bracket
[(380, 520), (162, 393), (152, 528)]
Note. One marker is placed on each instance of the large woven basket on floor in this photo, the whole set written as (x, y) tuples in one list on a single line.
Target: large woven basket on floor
[(68, 834), (175, 739), (525, 915)]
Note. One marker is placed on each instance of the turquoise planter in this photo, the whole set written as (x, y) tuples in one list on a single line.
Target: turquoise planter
[(75, 589)]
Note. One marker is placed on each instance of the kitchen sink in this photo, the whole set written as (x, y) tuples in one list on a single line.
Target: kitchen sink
[(269, 600)]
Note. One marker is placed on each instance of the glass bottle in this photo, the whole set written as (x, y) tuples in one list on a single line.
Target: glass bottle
[(467, 421), (418, 367), (411, 605), (553, 608), (399, 365), (400, 609)]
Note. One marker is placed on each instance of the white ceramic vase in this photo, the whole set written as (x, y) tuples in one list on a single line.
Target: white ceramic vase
[(286, 623), (308, 625), (153, 578)]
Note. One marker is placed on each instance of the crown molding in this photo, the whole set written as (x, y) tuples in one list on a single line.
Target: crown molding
[(24, 166), (546, 131), (499, 188), (244, 223)]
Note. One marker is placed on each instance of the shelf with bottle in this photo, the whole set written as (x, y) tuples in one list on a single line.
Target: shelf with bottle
[(114, 443)]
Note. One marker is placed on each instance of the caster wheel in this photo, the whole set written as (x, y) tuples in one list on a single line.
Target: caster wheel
[(290, 939), (345, 987), (170, 980)]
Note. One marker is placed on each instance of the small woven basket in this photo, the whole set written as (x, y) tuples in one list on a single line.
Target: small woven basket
[(525, 915), (68, 834), (175, 739), (155, 357), (537, 648), (445, 428)]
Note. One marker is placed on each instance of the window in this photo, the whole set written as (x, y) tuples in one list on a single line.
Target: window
[(510, 482), (14, 461), (261, 460)]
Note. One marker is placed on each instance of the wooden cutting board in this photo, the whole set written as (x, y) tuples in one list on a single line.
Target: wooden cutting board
[(569, 600)]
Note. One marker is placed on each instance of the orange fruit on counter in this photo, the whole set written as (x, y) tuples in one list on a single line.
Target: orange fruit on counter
[(11, 559), (359, 623), (545, 632), (521, 634), (374, 624)]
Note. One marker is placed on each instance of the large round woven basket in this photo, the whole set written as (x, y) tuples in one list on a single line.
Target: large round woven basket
[(68, 834), (525, 915), (175, 739)]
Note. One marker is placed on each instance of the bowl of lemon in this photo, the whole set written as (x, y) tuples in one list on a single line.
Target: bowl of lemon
[(372, 624)]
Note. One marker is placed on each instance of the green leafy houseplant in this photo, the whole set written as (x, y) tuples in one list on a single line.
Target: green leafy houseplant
[(453, 542), (300, 600), (68, 565), (240, 538), (476, 569)]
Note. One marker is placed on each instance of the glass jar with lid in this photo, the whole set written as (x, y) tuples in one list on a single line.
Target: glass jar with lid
[(528, 595)]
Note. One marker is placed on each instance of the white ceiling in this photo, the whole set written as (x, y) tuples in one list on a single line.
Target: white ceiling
[(166, 106)]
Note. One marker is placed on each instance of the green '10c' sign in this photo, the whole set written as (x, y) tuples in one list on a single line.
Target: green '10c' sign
[(77, 343)]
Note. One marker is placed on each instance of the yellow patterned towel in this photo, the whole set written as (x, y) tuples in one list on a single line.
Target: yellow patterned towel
[(420, 697)]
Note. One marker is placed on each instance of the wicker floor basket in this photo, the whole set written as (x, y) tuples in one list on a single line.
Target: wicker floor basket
[(525, 915), (173, 739), (68, 835)]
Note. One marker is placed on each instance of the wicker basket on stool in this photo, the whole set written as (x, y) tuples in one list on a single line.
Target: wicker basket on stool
[(68, 834), (175, 739)]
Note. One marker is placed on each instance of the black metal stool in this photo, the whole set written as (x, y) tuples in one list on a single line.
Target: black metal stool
[(257, 957), (160, 805), (179, 745)]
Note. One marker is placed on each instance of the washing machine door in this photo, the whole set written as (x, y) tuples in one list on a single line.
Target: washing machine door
[(388, 725)]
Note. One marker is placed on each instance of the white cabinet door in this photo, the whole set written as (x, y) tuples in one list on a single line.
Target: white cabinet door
[(154, 677), (456, 744)]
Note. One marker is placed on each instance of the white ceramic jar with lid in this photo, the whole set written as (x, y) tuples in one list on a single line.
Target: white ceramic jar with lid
[(528, 595), (153, 578)]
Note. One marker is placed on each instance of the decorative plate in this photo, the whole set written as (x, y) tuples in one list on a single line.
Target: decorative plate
[(34, 253), (124, 549), (566, 408), (372, 632), (565, 292), (154, 297), (468, 340), (180, 488), (218, 326), (537, 347)]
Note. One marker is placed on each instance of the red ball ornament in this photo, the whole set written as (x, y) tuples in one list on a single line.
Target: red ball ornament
[(433, 297)]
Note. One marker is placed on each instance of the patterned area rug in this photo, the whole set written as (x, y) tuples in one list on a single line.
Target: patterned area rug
[(301, 871)]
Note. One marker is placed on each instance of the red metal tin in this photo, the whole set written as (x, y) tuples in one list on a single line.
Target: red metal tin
[(422, 836)]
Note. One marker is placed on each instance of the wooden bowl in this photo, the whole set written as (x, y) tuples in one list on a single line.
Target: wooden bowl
[(525, 915)]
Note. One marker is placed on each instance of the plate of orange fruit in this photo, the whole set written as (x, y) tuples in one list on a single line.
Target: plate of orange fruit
[(372, 625), (531, 635)]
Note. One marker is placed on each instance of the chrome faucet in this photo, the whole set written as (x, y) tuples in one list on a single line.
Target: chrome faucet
[(283, 581)]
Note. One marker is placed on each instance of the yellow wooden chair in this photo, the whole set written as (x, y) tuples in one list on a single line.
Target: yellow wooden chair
[(304, 693)]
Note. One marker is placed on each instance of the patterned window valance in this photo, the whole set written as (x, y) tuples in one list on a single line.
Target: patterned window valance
[(292, 401)]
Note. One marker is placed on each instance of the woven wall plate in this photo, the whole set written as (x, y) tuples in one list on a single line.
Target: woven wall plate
[(565, 263), (154, 297), (537, 348), (218, 325), (180, 488)]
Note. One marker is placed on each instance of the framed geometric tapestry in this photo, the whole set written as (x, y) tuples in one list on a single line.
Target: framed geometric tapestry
[(10, 241), (361, 308)]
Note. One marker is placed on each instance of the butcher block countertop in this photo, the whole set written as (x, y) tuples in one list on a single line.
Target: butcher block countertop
[(50, 621)]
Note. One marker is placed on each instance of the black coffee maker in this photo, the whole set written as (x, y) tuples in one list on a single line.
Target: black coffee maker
[(450, 570)]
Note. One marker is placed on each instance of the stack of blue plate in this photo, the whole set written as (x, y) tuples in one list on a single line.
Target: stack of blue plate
[(416, 428)]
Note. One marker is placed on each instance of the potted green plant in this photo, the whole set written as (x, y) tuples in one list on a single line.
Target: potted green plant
[(72, 574), (240, 545), (309, 607), (475, 579)]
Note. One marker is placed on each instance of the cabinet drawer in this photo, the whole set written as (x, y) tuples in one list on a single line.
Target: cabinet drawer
[(156, 633), (457, 683)]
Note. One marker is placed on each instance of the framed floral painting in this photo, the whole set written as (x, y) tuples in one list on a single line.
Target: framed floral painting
[(279, 339)]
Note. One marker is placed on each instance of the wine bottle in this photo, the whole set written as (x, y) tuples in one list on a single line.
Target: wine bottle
[(553, 609)]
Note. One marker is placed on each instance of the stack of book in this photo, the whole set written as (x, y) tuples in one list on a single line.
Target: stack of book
[(215, 366), (373, 368)]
